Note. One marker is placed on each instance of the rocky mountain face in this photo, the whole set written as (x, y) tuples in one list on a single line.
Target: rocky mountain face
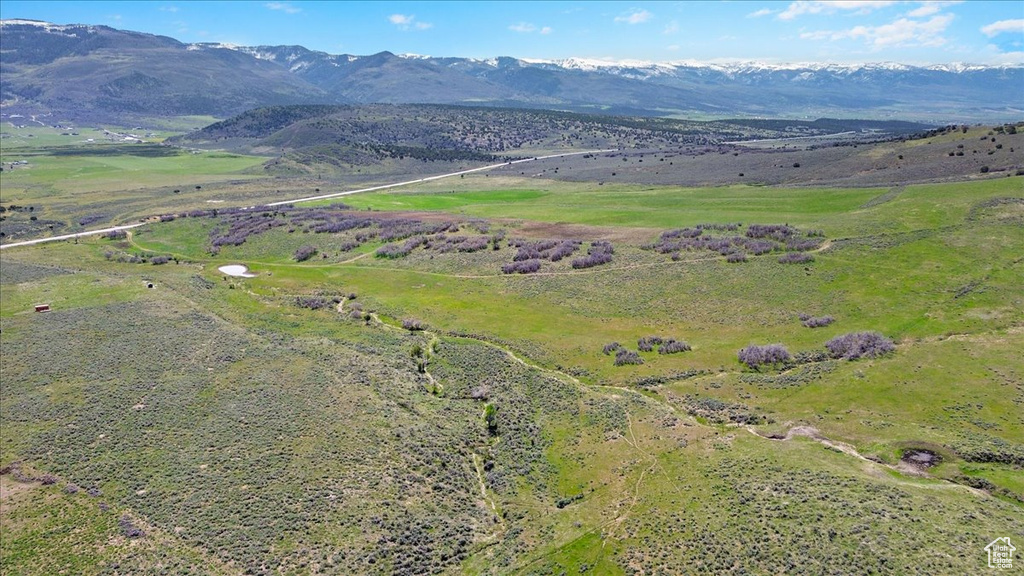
[(97, 71)]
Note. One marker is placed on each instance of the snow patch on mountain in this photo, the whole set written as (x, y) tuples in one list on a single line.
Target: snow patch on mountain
[(47, 26)]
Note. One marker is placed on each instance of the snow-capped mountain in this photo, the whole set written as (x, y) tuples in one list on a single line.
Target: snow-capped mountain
[(97, 70)]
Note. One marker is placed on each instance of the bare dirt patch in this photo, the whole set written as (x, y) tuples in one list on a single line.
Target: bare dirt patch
[(918, 460), (10, 488)]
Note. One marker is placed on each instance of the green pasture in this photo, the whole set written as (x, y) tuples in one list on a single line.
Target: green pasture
[(241, 425), (836, 210), (52, 176)]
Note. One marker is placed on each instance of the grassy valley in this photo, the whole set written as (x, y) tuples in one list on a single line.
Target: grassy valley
[(557, 366)]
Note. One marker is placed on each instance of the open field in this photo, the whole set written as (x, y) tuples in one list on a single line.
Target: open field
[(389, 394), (72, 185)]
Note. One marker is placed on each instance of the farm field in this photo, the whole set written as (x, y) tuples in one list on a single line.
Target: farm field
[(508, 373)]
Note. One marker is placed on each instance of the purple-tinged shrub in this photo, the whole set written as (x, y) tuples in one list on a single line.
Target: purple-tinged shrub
[(817, 322), (481, 226), (720, 227), (682, 233), (158, 260), (414, 242), (524, 267), (859, 345), (647, 344), (600, 252), (412, 324), (672, 346), (721, 245), (779, 232), (759, 247), (526, 253), (795, 258), (609, 348), (444, 243), (770, 354), (167, 218), (116, 235), (304, 253), (312, 302), (129, 529), (400, 251), (341, 225), (91, 219), (592, 260), (736, 257), (801, 244), (473, 244), (241, 225), (390, 251), (562, 250), (624, 357)]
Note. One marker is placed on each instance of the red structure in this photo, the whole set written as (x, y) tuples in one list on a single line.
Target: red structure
[(42, 307)]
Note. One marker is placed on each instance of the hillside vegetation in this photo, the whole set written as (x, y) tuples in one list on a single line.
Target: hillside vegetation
[(515, 374)]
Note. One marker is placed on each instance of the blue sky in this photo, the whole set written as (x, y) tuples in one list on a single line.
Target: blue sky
[(795, 31)]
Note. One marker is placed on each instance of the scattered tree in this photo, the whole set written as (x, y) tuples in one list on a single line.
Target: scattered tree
[(859, 345)]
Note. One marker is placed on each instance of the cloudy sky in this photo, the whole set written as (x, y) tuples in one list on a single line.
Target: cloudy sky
[(796, 31)]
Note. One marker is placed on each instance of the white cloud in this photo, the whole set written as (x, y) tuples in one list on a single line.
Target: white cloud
[(929, 7), (819, 35), (528, 28), (996, 28), (802, 7), (409, 22), (902, 32), (171, 9), (672, 28), (760, 13), (1012, 58), (635, 17), (672, 48), (925, 10), (283, 7)]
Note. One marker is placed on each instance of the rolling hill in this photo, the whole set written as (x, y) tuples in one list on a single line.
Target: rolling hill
[(82, 71)]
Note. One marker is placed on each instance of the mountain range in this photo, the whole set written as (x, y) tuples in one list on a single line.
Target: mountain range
[(97, 72)]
